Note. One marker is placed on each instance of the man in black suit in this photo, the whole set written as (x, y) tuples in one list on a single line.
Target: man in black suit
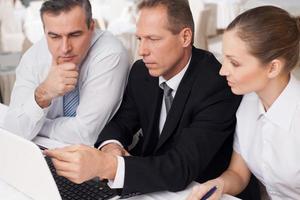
[(186, 131)]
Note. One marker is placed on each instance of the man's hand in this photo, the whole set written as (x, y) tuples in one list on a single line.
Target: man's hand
[(80, 163), (62, 78), (114, 149)]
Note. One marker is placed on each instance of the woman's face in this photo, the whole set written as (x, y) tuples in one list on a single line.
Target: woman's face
[(244, 72)]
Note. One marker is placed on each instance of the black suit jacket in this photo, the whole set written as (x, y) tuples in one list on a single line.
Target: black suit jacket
[(196, 141)]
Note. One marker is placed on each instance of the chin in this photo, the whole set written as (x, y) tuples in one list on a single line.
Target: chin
[(237, 91), (154, 73)]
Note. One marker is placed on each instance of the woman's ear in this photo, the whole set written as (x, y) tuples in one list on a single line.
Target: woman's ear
[(276, 66)]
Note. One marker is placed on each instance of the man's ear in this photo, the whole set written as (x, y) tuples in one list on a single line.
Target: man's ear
[(276, 66), (92, 25), (186, 35)]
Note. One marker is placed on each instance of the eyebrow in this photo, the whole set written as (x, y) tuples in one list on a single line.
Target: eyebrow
[(71, 33), (229, 56), (147, 36)]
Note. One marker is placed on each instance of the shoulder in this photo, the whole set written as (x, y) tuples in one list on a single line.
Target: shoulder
[(37, 55), (139, 71), (295, 96), (39, 48), (106, 44), (204, 67), (205, 59), (106, 50)]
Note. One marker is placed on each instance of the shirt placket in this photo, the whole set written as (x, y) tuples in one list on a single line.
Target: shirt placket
[(266, 130)]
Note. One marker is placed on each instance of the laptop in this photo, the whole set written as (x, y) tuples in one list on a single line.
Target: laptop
[(23, 166)]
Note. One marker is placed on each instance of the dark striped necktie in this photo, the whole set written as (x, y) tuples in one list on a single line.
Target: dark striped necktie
[(167, 96)]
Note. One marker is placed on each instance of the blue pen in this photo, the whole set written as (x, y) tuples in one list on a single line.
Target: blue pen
[(209, 193)]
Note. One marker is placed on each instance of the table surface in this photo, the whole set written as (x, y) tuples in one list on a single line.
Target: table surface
[(7, 192)]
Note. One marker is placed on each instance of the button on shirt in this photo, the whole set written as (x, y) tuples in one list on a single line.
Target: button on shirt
[(102, 79), (269, 142)]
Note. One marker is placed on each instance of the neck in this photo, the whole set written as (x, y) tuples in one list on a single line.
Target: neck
[(273, 89), (181, 63)]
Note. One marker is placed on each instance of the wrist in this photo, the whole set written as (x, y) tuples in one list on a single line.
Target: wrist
[(221, 184), (110, 146), (42, 97), (111, 164)]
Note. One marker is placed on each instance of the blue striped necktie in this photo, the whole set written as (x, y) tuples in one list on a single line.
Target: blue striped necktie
[(70, 102)]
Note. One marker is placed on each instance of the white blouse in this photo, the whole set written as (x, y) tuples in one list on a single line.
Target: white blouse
[(269, 142)]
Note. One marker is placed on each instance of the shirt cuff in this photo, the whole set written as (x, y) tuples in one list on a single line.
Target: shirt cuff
[(118, 182), (33, 109), (109, 141)]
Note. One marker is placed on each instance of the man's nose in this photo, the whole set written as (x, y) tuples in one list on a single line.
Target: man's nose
[(143, 48), (66, 45)]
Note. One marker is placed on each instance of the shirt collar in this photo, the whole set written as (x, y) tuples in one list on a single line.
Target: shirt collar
[(96, 35), (174, 82), (260, 108), (282, 110)]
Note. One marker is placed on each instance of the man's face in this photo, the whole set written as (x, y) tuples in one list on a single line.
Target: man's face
[(161, 50), (68, 36)]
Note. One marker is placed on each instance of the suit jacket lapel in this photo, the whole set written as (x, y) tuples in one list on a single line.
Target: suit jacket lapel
[(179, 102), (151, 136)]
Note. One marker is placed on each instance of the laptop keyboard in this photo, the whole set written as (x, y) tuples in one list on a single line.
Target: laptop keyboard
[(90, 190)]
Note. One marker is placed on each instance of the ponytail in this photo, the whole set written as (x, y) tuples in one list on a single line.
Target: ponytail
[(298, 24)]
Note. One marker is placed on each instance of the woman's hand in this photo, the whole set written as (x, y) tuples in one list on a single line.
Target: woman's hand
[(201, 189)]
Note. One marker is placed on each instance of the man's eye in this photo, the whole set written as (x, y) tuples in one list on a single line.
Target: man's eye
[(76, 35), (54, 36), (154, 39)]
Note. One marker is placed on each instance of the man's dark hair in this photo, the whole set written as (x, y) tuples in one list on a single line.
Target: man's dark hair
[(179, 13), (55, 7)]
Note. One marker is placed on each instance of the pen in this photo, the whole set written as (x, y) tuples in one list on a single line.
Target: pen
[(209, 193)]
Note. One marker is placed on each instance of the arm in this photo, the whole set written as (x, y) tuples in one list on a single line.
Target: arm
[(25, 117), (131, 125), (209, 123), (100, 97), (31, 97), (174, 169), (191, 153), (237, 176), (232, 181)]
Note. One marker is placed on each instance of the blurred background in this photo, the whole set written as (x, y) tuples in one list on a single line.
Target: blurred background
[(21, 26)]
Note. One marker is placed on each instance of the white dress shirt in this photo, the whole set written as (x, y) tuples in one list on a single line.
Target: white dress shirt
[(173, 83), (269, 142), (102, 80)]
